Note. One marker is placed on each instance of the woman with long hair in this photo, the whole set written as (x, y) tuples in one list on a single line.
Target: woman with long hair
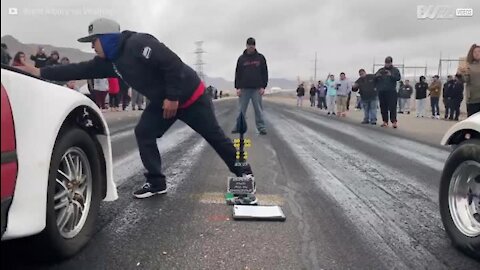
[(471, 75), (19, 59)]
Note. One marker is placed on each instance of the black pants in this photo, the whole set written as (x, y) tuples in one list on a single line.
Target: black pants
[(448, 102), (454, 106), (113, 100), (434, 103), (388, 105), (348, 100), (322, 103), (473, 108), (200, 117), (124, 98), (100, 97)]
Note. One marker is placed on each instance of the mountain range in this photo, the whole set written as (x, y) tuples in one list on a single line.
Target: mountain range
[(76, 55)]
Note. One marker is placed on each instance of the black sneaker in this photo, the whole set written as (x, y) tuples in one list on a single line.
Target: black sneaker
[(373, 123), (365, 122), (263, 132), (149, 190)]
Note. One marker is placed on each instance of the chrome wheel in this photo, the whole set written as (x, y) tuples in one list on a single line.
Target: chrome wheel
[(73, 192), (464, 198)]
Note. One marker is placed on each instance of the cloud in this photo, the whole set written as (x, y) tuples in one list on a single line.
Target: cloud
[(345, 34)]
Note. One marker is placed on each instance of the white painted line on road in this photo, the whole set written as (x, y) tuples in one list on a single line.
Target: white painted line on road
[(129, 165), (122, 135), (177, 172)]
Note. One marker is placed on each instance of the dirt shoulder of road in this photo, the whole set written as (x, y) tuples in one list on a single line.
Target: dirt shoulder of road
[(426, 130)]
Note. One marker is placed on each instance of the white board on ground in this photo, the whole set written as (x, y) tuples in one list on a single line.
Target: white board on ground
[(257, 212)]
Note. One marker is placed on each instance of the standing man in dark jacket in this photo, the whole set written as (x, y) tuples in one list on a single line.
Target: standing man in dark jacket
[(447, 95), (53, 59), (251, 78), (404, 94), (456, 95), (321, 94), (174, 89), (421, 96), (300, 95), (124, 97), (368, 96), (40, 58), (313, 93), (6, 58), (386, 81)]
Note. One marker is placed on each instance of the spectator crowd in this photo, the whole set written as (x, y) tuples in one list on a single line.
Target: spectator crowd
[(385, 90), (110, 94)]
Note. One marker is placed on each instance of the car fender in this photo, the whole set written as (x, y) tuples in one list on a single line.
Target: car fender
[(39, 110), (471, 123)]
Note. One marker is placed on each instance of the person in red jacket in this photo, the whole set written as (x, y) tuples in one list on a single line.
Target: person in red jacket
[(113, 90)]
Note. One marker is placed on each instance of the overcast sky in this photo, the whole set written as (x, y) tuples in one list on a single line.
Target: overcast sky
[(346, 35)]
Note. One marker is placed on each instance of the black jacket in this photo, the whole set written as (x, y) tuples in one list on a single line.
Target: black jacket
[(313, 91), (447, 89), (143, 62), (366, 86), (39, 59), (251, 71), (456, 90), (300, 91), (386, 82), (52, 62), (6, 58), (405, 91), (421, 90)]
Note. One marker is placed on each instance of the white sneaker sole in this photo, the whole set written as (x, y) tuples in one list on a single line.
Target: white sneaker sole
[(149, 194)]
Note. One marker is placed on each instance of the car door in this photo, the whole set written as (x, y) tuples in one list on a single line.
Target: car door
[(9, 158)]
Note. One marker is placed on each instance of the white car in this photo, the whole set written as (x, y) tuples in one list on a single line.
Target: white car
[(56, 164), (460, 186)]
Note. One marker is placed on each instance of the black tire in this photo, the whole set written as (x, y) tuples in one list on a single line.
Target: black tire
[(467, 150), (53, 245)]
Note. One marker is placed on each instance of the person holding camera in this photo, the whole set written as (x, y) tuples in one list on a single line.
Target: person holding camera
[(386, 80)]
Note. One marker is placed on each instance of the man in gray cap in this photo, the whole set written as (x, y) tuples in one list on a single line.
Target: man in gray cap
[(174, 89)]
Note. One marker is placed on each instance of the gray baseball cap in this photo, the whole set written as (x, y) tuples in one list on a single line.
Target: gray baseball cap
[(99, 27)]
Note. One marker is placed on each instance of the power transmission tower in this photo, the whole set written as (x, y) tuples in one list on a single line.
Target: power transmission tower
[(199, 63)]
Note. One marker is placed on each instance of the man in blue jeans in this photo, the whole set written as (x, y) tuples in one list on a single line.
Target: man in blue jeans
[(251, 78), (368, 95)]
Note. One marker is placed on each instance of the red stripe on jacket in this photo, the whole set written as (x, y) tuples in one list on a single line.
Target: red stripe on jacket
[(196, 95)]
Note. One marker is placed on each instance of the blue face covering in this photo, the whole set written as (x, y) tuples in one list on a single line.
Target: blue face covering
[(110, 44)]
